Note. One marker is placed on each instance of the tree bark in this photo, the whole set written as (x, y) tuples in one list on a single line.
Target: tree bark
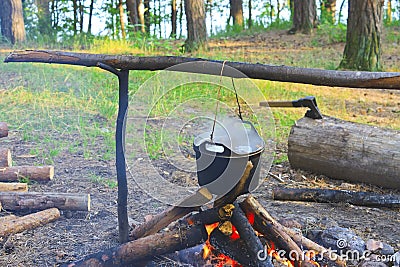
[(122, 18), (34, 173), (13, 187), (236, 11), (196, 25), (363, 39), (304, 16), (355, 79), (146, 15), (337, 196), (12, 21), (38, 201), (28, 222), (250, 14), (133, 17), (389, 12), (44, 17), (174, 17), (347, 151), (129, 254), (3, 129), (90, 16), (7, 217), (5, 157)]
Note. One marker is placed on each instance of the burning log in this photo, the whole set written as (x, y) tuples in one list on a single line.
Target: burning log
[(3, 129), (250, 204), (13, 187), (20, 224), (128, 254), (337, 196), (234, 249), (5, 157), (40, 201), (249, 237), (346, 150), (162, 220), (35, 173)]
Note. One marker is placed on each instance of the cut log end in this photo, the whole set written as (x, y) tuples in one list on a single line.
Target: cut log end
[(3, 129), (5, 157)]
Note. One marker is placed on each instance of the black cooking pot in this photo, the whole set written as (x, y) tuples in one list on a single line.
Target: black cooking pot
[(221, 162)]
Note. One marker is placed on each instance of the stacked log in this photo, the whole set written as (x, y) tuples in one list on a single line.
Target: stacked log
[(5, 157), (3, 129), (13, 187), (34, 173)]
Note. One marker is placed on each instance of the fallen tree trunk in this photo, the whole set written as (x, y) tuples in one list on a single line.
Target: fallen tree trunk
[(20, 224), (345, 150), (145, 248), (13, 187), (356, 79), (337, 196), (5, 157), (3, 129), (34, 173), (39, 201), (250, 204)]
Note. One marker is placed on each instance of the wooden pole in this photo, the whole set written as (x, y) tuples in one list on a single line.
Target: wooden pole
[(346, 151), (13, 187), (355, 79), (337, 196), (5, 157), (133, 252), (30, 221), (3, 129), (39, 201), (34, 173)]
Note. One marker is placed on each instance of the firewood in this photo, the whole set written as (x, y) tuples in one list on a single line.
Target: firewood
[(7, 218), (347, 151), (234, 249), (3, 129), (27, 222), (14, 187), (128, 254), (162, 220), (250, 204), (5, 157), (39, 201), (247, 234), (337, 196), (35, 173)]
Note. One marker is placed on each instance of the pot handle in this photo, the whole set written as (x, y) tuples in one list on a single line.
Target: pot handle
[(214, 147)]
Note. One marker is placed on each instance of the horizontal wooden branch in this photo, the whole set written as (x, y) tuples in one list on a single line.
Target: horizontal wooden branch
[(355, 79), (336, 196)]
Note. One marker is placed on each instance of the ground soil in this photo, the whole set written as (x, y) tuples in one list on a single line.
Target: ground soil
[(76, 234)]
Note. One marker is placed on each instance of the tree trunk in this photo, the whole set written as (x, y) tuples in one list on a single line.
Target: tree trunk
[(16, 201), (347, 151), (122, 19), (133, 17), (196, 25), (34, 173), (250, 15), (363, 39), (12, 21), (236, 9), (90, 17), (44, 17), (304, 16), (146, 15), (329, 8), (141, 16), (389, 12), (81, 14), (174, 16), (5, 157), (20, 224), (75, 11)]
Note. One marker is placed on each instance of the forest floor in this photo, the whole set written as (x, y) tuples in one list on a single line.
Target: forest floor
[(77, 140)]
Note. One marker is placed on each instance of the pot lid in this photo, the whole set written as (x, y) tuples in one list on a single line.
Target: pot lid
[(238, 136)]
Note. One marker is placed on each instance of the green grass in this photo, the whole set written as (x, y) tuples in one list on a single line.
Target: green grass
[(96, 179)]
